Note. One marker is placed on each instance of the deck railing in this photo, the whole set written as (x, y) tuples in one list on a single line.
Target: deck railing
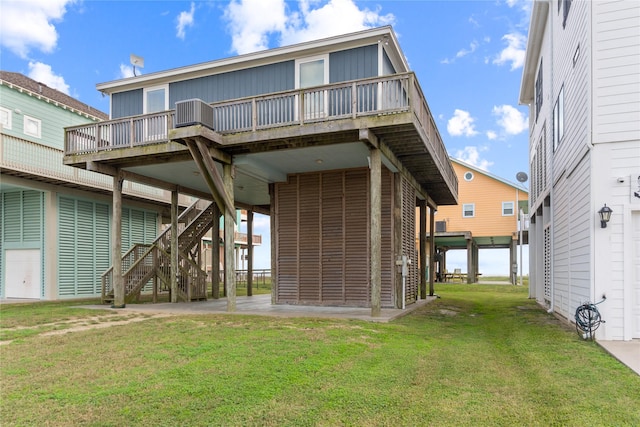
[(40, 160), (380, 95), (360, 98)]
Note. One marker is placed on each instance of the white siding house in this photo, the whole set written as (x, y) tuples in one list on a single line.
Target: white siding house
[(582, 84)]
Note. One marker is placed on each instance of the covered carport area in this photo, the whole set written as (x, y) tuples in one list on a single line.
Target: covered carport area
[(465, 240)]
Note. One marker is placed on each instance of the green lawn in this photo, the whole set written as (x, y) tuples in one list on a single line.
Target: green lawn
[(479, 355)]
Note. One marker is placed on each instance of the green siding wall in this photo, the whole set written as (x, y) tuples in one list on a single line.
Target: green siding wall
[(53, 119), (84, 246), (21, 225)]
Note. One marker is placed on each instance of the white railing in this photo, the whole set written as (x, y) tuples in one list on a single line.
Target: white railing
[(43, 161), (360, 98), (380, 95)]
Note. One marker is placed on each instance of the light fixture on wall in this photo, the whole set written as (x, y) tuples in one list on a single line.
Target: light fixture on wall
[(605, 215)]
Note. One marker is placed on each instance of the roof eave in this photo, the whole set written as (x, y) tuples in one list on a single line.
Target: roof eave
[(254, 59), (534, 45)]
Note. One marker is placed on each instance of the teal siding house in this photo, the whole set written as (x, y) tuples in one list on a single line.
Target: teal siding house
[(55, 220)]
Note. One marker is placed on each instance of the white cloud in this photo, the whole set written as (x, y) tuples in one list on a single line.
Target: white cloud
[(44, 74), (333, 18), (27, 24), (126, 71), (514, 52), (251, 22), (471, 155), (461, 124), (510, 119), (464, 52), (491, 135), (185, 19)]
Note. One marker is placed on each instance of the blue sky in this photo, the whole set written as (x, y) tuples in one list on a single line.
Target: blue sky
[(468, 55)]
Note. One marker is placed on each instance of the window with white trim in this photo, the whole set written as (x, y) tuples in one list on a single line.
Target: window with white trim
[(558, 119), (5, 118), (156, 99), (468, 210), (507, 208), (538, 93), (32, 126)]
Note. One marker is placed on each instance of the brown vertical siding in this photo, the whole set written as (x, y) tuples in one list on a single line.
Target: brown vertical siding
[(357, 270), (408, 239), (322, 247)]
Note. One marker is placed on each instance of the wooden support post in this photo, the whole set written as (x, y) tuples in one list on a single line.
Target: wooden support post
[(274, 239), (422, 240), (513, 261), (174, 247), (250, 253), (229, 237), (116, 244), (470, 265), (215, 253), (432, 249), (376, 229), (397, 237)]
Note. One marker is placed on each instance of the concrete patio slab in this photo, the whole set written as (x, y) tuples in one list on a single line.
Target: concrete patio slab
[(260, 305), (627, 352)]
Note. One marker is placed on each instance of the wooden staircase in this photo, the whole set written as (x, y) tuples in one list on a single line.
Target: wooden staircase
[(145, 263)]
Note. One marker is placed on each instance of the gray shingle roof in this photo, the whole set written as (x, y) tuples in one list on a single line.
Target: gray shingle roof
[(17, 79)]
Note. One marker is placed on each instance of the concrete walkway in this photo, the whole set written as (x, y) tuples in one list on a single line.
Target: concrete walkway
[(627, 352), (260, 305)]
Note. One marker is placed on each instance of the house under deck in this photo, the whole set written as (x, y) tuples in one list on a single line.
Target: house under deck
[(339, 168)]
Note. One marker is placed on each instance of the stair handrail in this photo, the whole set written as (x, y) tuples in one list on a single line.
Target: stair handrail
[(188, 216)]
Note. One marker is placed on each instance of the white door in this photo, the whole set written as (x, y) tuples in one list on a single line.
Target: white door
[(312, 72), (635, 265), (22, 273)]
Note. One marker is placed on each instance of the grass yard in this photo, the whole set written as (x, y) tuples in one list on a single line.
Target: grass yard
[(480, 355)]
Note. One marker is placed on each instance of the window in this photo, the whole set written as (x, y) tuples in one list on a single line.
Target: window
[(468, 176), (558, 119), (32, 126), (507, 208), (567, 6), (468, 210), (156, 99), (5, 118), (539, 91)]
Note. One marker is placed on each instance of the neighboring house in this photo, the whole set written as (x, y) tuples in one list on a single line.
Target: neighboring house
[(332, 138), (486, 217), (55, 220), (582, 83)]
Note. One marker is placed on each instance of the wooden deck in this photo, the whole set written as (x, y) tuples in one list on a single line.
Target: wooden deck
[(392, 108)]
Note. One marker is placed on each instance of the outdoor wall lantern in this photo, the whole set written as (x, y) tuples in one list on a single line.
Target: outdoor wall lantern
[(605, 215)]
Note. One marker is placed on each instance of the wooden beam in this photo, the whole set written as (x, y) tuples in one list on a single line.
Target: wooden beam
[(215, 253), (174, 247), (116, 244), (250, 253), (375, 190), (274, 242), (432, 249), (422, 239), (229, 245), (397, 236), (225, 193), (368, 137), (215, 192)]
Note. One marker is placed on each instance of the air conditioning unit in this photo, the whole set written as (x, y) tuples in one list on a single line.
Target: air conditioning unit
[(441, 226), (193, 112)]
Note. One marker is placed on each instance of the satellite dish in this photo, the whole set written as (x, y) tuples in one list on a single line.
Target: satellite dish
[(136, 61), (522, 177)]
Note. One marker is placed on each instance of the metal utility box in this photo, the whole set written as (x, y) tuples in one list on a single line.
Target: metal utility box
[(194, 112)]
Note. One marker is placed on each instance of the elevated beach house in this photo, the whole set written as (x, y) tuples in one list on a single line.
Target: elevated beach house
[(332, 138)]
